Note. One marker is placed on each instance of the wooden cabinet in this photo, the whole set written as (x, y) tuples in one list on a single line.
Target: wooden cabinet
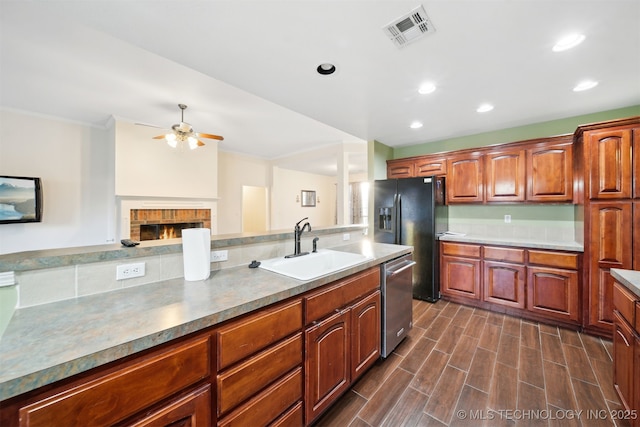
[(626, 349), (550, 173), (430, 166), (542, 285), (403, 168), (417, 166), (268, 367), (111, 397), (610, 246), (609, 167), (460, 270), (612, 223), (327, 363), (191, 410), (465, 179), (504, 276), (259, 354), (342, 338), (504, 176), (553, 285)]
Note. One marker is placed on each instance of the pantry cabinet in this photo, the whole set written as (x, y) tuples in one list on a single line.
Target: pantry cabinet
[(612, 223)]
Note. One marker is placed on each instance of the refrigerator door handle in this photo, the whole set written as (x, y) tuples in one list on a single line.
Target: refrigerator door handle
[(398, 210)]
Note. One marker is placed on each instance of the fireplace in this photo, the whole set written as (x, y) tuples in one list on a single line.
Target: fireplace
[(154, 224)]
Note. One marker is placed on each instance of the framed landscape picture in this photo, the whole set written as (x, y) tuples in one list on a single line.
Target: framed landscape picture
[(20, 199)]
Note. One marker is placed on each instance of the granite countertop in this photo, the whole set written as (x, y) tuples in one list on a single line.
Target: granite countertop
[(629, 278), (514, 241), (50, 342)]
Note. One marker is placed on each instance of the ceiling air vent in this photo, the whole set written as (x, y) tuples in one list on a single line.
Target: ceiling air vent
[(409, 27)]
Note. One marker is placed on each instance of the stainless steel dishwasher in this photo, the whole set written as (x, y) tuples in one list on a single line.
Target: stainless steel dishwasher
[(397, 301)]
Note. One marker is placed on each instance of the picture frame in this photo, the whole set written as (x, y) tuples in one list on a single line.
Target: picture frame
[(20, 199), (308, 198)]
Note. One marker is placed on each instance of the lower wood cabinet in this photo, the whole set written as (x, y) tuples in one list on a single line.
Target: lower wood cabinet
[(281, 365), (538, 284), (340, 344), (626, 349)]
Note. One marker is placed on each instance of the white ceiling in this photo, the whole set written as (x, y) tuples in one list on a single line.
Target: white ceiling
[(246, 69)]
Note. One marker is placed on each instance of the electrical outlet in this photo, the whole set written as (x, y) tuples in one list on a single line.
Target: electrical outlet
[(219, 256), (129, 271), (507, 219), (346, 236)]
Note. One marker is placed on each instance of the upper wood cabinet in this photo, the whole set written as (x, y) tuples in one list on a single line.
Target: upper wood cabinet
[(550, 173), (429, 166), (504, 176), (636, 163), (609, 153), (403, 168), (464, 179)]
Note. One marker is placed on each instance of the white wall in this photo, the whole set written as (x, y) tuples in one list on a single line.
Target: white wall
[(286, 212), (150, 168), (234, 172), (75, 163)]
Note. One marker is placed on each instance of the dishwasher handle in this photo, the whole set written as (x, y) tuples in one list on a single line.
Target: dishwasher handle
[(393, 272)]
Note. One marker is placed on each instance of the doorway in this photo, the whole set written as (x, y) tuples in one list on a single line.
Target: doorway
[(254, 209)]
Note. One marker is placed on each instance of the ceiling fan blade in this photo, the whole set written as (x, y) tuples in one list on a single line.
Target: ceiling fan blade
[(200, 143), (208, 135), (158, 137)]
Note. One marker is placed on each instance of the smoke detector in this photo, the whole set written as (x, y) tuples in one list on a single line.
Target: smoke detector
[(409, 28)]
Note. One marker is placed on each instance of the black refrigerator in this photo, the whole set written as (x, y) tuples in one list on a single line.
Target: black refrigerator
[(412, 211)]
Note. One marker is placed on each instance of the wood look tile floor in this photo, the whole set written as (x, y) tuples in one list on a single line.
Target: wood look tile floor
[(462, 366)]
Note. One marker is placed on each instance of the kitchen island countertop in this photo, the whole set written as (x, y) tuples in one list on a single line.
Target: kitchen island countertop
[(51, 342)]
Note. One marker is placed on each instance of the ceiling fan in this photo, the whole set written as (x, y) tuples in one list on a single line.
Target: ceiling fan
[(183, 132)]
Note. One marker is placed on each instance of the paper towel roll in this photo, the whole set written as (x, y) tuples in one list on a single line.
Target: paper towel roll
[(196, 251)]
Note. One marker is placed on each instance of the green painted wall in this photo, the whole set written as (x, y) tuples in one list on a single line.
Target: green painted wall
[(521, 133)]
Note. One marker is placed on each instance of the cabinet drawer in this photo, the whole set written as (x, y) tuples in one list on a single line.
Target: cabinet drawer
[(115, 396), (326, 301), (291, 418), (246, 379), (458, 249), (625, 302), (251, 334), (637, 317), (554, 259), (268, 405), (504, 254)]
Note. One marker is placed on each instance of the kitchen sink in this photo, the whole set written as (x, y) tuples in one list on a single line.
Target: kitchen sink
[(315, 264)]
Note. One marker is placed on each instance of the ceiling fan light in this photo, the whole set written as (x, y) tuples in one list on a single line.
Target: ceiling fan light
[(193, 142), (171, 140)]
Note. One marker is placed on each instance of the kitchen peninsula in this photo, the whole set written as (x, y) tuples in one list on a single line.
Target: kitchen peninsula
[(151, 332)]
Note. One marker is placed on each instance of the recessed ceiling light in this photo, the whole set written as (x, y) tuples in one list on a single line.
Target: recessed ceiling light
[(415, 125), (484, 108), (326, 69), (585, 85), (426, 88), (567, 42)]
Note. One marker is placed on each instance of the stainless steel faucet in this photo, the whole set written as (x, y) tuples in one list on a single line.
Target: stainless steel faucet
[(297, 233)]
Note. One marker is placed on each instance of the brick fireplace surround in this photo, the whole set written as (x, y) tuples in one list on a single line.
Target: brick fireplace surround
[(140, 217)]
